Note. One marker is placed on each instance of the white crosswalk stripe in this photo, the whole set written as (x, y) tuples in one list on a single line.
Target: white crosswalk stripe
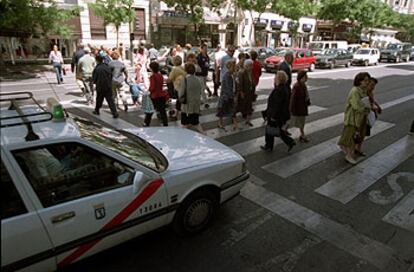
[(351, 183), (300, 161), (402, 215), (252, 146)]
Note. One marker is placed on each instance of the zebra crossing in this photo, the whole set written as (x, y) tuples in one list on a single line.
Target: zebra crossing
[(342, 188)]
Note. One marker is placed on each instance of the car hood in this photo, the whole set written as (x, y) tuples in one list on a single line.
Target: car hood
[(275, 59), (184, 148)]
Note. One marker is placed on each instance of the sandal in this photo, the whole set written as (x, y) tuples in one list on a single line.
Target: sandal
[(222, 127), (304, 139)]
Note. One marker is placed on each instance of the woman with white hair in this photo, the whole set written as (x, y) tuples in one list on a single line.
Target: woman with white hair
[(278, 113), (245, 91)]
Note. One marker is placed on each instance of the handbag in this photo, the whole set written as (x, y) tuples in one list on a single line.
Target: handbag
[(183, 97), (273, 131), (371, 118)]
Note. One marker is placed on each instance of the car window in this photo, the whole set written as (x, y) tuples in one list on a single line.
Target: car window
[(326, 45), (308, 54), (334, 45), (301, 54), (11, 202), (63, 172), (124, 143)]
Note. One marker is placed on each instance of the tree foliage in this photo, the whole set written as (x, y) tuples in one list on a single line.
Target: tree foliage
[(30, 17), (114, 12), (294, 9)]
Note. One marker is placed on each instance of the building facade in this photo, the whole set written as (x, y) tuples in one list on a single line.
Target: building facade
[(401, 6)]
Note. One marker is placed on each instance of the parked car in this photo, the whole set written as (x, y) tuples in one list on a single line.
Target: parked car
[(71, 188), (396, 52), (304, 59), (318, 46), (263, 52), (412, 53), (334, 57), (366, 56)]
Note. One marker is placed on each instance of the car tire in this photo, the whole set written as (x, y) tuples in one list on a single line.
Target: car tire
[(407, 59), (348, 64), (397, 59), (332, 65), (366, 63), (312, 67), (195, 212)]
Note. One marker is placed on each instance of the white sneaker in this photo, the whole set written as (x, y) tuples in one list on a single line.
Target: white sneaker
[(350, 160)]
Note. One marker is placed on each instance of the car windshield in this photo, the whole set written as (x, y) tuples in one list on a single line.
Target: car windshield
[(362, 52), (393, 46), (124, 143), (329, 52), (316, 46)]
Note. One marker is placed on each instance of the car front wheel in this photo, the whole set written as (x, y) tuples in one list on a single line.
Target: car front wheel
[(397, 59), (348, 64), (196, 212), (366, 63)]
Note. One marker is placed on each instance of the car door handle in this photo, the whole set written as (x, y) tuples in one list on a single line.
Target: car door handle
[(62, 217)]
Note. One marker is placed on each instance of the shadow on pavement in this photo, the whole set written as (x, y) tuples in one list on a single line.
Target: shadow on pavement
[(21, 72), (401, 67)]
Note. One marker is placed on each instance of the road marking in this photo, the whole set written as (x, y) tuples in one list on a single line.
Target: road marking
[(252, 146), (339, 235), (299, 161), (351, 183), (31, 90), (402, 215), (117, 123), (288, 259), (257, 122), (377, 197), (237, 236)]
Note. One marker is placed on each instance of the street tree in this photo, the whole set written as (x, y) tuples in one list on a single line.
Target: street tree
[(294, 9), (27, 19), (114, 12), (259, 6)]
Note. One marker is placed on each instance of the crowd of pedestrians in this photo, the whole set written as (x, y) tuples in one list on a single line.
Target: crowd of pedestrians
[(237, 79)]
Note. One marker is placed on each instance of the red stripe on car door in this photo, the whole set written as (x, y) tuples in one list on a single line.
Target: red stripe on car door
[(119, 218)]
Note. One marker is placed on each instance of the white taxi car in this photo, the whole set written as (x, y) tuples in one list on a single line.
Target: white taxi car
[(72, 188), (366, 56)]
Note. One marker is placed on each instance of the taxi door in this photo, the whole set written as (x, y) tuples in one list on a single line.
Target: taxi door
[(25, 243), (98, 203)]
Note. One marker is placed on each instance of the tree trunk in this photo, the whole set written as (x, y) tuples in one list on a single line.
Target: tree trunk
[(117, 35), (251, 30), (11, 51)]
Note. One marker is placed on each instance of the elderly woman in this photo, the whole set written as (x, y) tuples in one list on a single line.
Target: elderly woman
[(177, 73), (299, 102), (191, 87), (355, 118), (278, 112), (226, 100), (245, 91)]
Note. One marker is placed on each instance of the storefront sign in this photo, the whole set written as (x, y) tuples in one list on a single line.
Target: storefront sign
[(176, 14), (307, 27), (276, 24), (260, 23)]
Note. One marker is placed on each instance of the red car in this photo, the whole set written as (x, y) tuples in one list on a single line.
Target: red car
[(304, 59)]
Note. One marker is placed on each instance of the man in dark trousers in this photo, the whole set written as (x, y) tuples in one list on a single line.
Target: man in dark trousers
[(79, 53), (102, 77)]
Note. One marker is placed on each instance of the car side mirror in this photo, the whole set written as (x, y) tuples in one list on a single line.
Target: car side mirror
[(137, 182)]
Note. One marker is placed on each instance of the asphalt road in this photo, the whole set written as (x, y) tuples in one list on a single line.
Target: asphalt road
[(307, 210)]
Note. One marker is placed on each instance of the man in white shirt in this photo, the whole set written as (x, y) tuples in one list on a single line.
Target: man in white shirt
[(216, 75), (86, 65)]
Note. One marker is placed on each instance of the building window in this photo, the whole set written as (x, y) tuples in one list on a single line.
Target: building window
[(98, 31)]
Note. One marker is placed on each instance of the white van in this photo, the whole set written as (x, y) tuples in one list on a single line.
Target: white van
[(318, 46)]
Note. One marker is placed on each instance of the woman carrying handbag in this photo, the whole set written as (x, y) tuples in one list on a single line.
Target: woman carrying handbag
[(355, 119), (278, 113)]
